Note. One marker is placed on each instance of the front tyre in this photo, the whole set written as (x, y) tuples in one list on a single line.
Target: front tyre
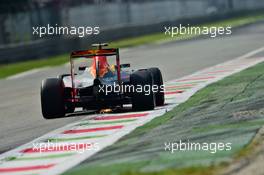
[(52, 98)]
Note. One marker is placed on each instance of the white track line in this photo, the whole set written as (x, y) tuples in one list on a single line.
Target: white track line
[(112, 134), (252, 53)]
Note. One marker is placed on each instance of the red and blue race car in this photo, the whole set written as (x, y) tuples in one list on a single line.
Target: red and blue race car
[(100, 85)]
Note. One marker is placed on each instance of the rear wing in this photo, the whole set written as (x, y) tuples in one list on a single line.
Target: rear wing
[(92, 53)]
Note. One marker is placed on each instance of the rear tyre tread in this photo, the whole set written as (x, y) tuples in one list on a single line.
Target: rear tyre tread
[(158, 80), (52, 98), (141, 101)]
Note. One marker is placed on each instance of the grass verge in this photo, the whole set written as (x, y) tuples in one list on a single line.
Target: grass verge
[(230, 110), (15, 68), (12, 69)]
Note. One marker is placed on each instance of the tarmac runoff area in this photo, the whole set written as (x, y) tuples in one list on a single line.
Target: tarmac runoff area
[(49, 155)]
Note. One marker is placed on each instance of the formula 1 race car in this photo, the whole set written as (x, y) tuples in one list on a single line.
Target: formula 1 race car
[(100, 85)]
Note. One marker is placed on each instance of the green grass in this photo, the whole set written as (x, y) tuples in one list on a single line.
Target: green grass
[(227, 126), (15, 68), (11, 69), (172, 171)]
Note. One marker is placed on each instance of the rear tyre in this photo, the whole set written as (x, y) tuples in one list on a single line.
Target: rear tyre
[(52, 98), (158, 81), (142, 100)]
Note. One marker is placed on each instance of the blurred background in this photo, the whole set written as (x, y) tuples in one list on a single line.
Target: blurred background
[(117, 19)]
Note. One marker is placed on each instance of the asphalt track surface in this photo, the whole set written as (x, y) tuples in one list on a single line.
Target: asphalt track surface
[(20, 113)]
